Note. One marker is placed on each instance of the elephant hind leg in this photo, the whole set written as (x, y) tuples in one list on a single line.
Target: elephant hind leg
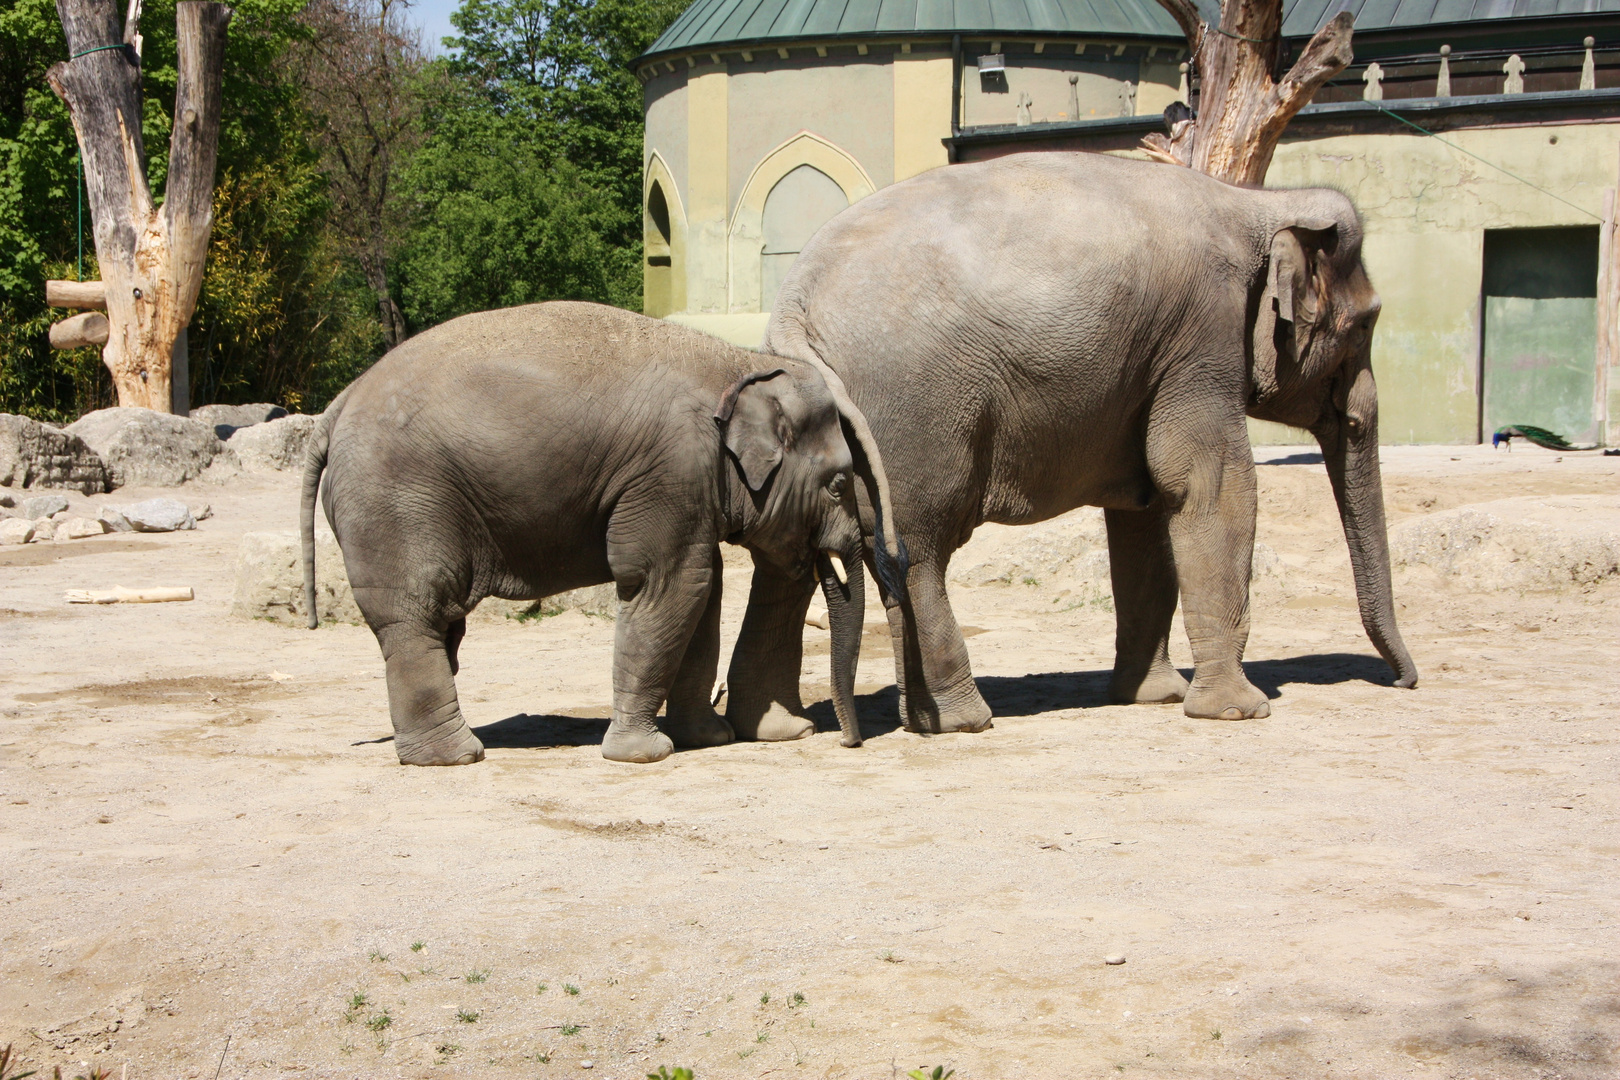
[(763, 702), (428, 725), (931, 664), (1143, 571)]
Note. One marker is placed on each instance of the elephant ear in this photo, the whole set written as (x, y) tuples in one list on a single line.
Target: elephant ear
[(754, 426), (1294, 281), (1290, 304)]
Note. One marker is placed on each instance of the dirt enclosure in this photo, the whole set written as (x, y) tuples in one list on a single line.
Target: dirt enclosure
[(211, 866)]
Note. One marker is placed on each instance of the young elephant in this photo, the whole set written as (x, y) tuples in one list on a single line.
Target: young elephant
[(525, 452)]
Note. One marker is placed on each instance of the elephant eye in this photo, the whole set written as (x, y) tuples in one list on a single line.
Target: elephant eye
[(836, 486)]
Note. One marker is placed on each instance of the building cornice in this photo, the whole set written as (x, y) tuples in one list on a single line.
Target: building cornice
[(1331, 118)]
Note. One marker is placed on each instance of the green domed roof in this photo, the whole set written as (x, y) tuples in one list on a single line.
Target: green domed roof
[(709, 23)]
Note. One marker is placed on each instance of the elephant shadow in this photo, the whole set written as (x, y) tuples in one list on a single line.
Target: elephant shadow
[(527, 731), (879, 712), (533, 731), (1007, 696), (1030, 695)]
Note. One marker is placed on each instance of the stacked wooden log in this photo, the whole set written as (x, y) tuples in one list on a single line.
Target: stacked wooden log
[(87, 328)]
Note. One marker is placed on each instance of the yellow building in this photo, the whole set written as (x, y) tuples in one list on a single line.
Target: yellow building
[(1478, 140)]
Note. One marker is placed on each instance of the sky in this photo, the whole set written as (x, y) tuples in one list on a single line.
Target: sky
[(433, 16)]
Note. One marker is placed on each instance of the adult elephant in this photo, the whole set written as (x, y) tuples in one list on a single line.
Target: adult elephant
[(1052, 330)]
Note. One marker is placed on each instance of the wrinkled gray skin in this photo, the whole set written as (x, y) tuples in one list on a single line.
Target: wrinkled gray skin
[(525, 452), (1053, 330)]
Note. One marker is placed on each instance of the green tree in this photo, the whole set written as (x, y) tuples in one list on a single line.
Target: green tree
[(529, 184)]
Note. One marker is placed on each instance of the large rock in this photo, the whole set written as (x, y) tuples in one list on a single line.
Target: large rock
[(599, 600), (38, 455), (16, 531), (225, 419), (270, 585), (270, 580), (147, 448), (1068, 553), (43, 506), (277, 444), (156, 515), (1529, 544), (78, 528)]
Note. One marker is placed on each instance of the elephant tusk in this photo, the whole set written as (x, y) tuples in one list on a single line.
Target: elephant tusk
[(838, 567)]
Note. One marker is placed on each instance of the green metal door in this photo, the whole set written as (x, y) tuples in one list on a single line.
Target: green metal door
[(1539, 362)]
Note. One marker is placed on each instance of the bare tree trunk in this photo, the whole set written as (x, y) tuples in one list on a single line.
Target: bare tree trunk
[(375, 268), (151, 259), (1241, 111), (356, 68)]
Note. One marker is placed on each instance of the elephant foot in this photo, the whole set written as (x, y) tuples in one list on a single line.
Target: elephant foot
[(972, 716), (1162, 684), (1229, 699), (697, 728), (635, 745), (779, 725), (456, 746)]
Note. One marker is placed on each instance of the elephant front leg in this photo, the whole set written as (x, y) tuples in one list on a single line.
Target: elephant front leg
[(428, 725), (690, 719), (656, 624), (762, 684), (1142, 566), (1212, 536)]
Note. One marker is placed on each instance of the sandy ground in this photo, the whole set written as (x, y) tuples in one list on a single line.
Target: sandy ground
[(211, 865)]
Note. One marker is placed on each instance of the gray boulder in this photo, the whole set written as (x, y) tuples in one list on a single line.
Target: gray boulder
[(270, 580), (16, 531), (1531, 543), (79, 528), (43, 506), (38, 455), (599, 600), (146, 448), (225, 419), (270, 586), (114, 519), (158, 515), (277, 444)]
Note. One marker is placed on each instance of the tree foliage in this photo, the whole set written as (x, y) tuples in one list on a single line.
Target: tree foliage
[(529, 186), (513, 175)]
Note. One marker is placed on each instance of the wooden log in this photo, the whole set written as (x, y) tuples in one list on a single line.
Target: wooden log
[(89, 328), (121, 595), (76, 295), (151, 257)]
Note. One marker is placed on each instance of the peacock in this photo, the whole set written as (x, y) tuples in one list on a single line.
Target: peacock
[(1540, 436)]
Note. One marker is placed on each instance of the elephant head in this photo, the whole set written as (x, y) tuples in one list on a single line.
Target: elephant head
[(783, 434), (1312, 368)]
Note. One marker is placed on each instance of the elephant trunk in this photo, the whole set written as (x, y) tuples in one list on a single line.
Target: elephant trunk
[(846, 611), (1350, 451)]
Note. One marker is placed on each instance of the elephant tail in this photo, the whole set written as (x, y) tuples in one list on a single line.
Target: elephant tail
[(314, 465), (786, 336)]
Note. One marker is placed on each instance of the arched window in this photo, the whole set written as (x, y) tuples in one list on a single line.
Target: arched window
[(800, 203), (658, 283)]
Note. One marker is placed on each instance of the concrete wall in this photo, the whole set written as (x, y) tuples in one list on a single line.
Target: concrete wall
[(1044, 76), (725, 130), (849, 101), (1425, 208)]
